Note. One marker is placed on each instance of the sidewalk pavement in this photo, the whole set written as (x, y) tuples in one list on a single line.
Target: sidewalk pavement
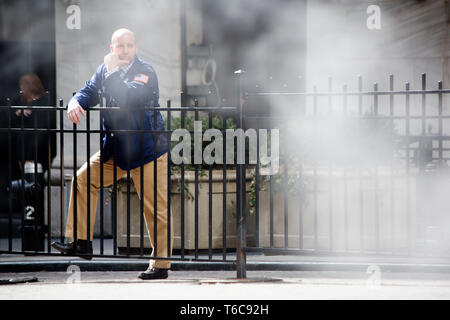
[(268, 277)]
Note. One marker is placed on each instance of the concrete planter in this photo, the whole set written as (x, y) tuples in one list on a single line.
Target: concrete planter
[(189, 214)]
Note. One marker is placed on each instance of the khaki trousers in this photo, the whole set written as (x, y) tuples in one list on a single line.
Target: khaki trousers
[(108, 179)]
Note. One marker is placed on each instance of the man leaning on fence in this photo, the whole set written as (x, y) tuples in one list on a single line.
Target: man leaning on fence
[(129, 83)]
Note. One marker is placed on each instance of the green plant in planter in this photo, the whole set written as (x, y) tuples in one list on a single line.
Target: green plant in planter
[(217, 123), (291, 186)]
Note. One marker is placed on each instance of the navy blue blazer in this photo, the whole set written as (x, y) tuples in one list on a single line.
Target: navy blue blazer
[(130, 92)]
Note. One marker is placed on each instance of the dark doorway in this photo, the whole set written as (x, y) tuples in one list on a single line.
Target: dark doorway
[(27, 45)]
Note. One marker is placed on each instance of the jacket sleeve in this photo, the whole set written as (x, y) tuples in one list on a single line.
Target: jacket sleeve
[(88, 96), (142, 90)]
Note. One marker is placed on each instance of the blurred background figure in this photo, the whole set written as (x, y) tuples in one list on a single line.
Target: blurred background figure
[(27, 44), (30, 146), (35, 143), (32, 89), (33, 157)]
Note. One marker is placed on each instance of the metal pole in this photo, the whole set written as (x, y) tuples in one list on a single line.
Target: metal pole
[(210, 201), (155, 179), (141, 179), (8, 103), (224, 195), (408, 148), (169, 218), (101, 191), (88, 151), (182, 190), (240, 196), (376, 195), (196, 177), (61, 170), (49, 165), (392, 180)]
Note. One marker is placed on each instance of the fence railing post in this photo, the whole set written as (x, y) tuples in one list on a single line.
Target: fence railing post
[(240, 190)]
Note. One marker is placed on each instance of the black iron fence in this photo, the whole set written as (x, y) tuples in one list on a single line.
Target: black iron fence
[(32, 187), (356, 174), (361, 172)]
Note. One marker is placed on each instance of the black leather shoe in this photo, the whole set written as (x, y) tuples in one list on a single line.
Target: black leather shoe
[(153, 274), (81, 248)]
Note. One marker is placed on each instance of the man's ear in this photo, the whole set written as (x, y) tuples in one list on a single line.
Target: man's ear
[(111, 48)]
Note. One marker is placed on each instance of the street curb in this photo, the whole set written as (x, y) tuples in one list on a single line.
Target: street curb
[(110, 265)]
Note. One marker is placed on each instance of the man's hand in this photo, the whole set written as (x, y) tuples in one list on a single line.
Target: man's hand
[(74, 110), (112, 60), (26, 112)]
